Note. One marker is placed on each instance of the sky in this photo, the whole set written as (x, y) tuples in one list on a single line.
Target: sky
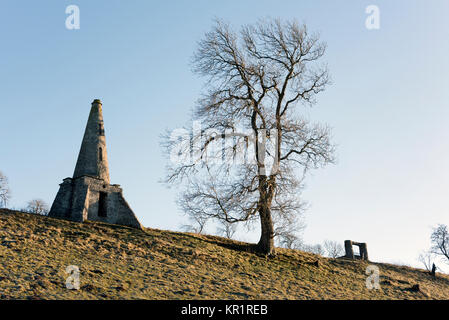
[(387, 106)]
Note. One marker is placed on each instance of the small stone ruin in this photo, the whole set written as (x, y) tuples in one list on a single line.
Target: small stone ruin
[(363, 251)]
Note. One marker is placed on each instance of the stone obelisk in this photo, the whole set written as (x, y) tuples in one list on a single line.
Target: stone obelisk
[(88, 195), (93, 157)]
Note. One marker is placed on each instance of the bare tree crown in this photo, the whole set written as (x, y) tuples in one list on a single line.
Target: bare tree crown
[(440, 241), (5, 192), (37, 206)]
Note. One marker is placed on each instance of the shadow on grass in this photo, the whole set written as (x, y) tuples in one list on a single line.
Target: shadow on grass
[(226, 243)]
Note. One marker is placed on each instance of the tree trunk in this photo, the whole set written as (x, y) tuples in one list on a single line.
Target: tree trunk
[(266, 242)]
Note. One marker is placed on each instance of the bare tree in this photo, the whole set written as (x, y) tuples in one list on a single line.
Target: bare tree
[(196, 225), (315, 249), (288, 232), (333, 249), (248, 160), (427, 258), (227, 229), (440, 241), (37, 206), (5, 192), (289, 241)]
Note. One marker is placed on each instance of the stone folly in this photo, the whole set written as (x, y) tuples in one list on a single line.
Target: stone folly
[(349, 250), (89, 194)]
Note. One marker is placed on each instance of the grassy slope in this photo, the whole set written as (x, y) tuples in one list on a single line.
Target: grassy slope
[(123, 263)]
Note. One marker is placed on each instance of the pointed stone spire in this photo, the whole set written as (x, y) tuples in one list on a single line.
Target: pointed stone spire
[(89, 194), (93, 157)]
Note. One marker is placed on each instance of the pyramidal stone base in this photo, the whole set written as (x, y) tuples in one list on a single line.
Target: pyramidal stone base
[(89, 195), (89, 198)]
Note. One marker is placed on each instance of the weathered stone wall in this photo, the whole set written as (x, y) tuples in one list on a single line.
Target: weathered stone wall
[(118, 210), (349, 251), (78, 200), (62, 205), (125, 214)]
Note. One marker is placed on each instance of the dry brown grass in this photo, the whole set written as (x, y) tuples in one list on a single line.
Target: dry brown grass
[(123, 263)]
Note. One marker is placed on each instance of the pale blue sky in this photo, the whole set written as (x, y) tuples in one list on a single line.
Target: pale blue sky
[(388, 106)]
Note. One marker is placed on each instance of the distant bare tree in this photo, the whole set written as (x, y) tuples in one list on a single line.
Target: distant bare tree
[(196, 225), (440, 241), (37, 206), (5, 192), (316, 249), (289, 241), (227, 229), (288, 232), (333, 249), (248, 160), (427, 258)]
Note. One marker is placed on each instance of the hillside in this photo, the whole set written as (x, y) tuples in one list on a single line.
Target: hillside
[(122, 263)]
